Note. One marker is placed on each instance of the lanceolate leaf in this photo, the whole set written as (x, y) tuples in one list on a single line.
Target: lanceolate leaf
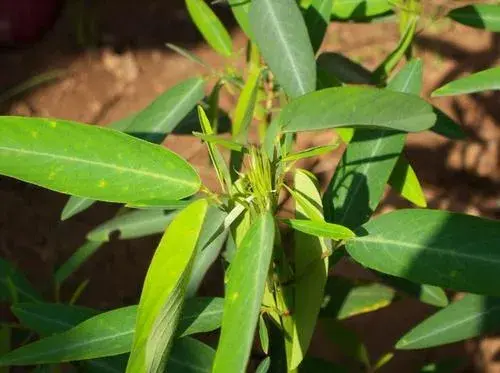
[(107, 334), (187, 54), (210, 27), (288, 53), (311, 152), (244, 291), (190, 356), (245, 107), (14, 287), (163, 292), (404, 180), (241, 9), (91, 161), (483, 16), (74, 206), (434, 247), (359, 10), (482, 81), (344, 69), (311, 271), (320, 229), (470, 317), (348, 107), (317, 18), (133, 224)]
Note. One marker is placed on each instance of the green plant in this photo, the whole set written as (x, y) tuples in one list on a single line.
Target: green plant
[(275, 284)]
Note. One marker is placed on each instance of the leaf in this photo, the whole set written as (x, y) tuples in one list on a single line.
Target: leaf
[(445, 126), (218, 140), (346, 70), (163, 290), (51, 318), (311, 152), (190, 356), (114, 364), (101, 335), (133, 224), (347, 300), (74, 206), (289, 53), (241, 9), (434, 247), (244, 291), (245, 107), (382, 361), (210, 27), (311, 270), (163, 115), (187, 54), (481, 81), (264, 365), (263, 335), (482, 16), (472, 316), (31, 83), (357, 107), (320, 229), (360, 10), (348, 342), (317, 18), (91, 161), (14, 287), (107, 334), (404, 181)]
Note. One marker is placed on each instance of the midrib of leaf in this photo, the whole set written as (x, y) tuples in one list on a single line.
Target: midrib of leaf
[(8, 282), (401, 245), (452, 325), (47, 319), (282, 39), (97, 163), (210, 22)]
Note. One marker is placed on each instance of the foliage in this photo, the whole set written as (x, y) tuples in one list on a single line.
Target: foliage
[(277, 286)]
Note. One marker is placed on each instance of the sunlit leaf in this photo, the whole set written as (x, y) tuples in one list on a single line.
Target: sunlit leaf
[(240, 10), (289, 53), (481, 81), (482, 16), (320, 229), (360, 10), (243, 113), (311, 152), (404, 181)]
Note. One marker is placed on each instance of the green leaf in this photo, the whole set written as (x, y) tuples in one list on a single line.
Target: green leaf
[(311, 270), (445, 126), (245, 107), (244, 291), (482, 81), (163, 292), (91, 161), (263, 335), (74, 206), (470, 317), (289, 53), (344, 69), (31, 83), (317, 18), (320, 229), (218, 140), (51, 318), (241, 9), (133, 224), (114, 364), (264, 365), (107, 334), (404, 181), (187, 54), (210, 27), (348, 342), (429, 294), (449, 365), (14, 287), (190, 356), (482, 16), (311, 152), (434, 247), (360, 10), (163, 115), (348, 107)]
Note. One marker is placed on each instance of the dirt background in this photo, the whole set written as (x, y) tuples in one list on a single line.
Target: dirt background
[(115, 63)]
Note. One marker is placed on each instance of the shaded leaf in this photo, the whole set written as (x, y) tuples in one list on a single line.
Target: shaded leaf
[(317, 18), (245, 107), (210, 27), (263, 335), (320, 366), (74, 206), (348, 107), (264, 365), (241, 9), (434, 247), (289, 53), (244, 291), (346, 70), (429, 294), (481, 81), (482, 16), (14, 287), (470, 317), (347, 341), (163, 291), (91, 161), (187, 54), (404, 181), (218, 140)]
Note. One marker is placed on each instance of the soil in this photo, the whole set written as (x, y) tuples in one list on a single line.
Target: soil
[(115, 63)]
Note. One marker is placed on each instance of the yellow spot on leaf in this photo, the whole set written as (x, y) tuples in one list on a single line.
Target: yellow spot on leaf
[(52, 175), (235, 296), (34, 134), (103, 184), (53, 124)]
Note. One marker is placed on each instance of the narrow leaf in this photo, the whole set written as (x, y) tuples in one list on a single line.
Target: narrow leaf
[(344, 69), (481, 81), (311, 152), (218, 140), (91, 161), (210, 27), (320, 229), (163, 291), (460, 249), (245, 107), (14, 287), (133, 224), (482, 16), (404, 181), (244, 291), (187, 54), (289, 53), (263, 335), (74, 206), (317, 18), (360, 10), (241, 9), (347, 107), (472, 316), (264, 365)]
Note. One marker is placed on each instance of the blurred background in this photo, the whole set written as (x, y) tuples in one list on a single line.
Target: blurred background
[(97, 61)]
